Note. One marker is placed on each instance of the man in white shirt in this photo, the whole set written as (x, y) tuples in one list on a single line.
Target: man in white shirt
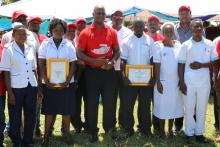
[(122, 32), (137, 50), (195, 58)]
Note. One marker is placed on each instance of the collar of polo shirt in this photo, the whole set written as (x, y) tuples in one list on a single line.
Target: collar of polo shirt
[(50, 40), (193, 41), (92, 26)]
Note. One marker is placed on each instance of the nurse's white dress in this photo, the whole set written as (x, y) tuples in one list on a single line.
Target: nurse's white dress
[(168, 105)]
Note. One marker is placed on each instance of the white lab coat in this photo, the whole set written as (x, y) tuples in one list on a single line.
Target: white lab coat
[(20, 65)]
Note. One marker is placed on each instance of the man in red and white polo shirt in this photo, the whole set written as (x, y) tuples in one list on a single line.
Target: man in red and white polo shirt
[(98, 47), (153, 27), (71, 32)]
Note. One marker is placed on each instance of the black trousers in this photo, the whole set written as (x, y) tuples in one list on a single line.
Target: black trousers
[(25, 98), (120, 93), (216, 110), (144, 95), (80, 95), (104, 83)]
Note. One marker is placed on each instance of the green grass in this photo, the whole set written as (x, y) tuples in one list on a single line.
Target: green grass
[(81, 140)]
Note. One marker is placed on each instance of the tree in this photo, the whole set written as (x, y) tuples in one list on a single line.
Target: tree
[(5, 2)]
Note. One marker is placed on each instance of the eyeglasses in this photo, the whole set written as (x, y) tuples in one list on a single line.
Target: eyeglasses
[(100, 13)]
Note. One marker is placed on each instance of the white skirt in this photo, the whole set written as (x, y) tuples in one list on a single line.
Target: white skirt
[(168, 105)]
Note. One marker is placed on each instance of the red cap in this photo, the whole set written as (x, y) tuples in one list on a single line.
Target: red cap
[(31, 18), (152, 17), (184, 8), (17, 14), (80, 19), (71, 25)]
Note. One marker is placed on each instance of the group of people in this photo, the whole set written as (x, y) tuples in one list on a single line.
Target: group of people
[(98, 54)]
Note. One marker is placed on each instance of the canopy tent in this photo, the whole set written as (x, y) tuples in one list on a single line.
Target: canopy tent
[(66, 9), (71, 9), (198, 7), (5, 22), (171, 17)]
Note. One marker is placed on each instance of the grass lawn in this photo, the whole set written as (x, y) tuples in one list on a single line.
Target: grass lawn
[(81, 140)]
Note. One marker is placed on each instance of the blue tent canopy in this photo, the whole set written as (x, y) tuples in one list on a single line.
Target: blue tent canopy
[(133, 10), (5, 23), (172, 18)]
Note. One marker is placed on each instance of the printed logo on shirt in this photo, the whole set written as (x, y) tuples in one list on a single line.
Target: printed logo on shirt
[(102, 50)]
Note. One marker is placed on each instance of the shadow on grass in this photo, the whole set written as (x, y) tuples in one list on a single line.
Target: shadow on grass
[(137, 140)]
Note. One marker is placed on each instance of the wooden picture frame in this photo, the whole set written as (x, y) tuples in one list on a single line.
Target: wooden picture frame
[(57, 70)]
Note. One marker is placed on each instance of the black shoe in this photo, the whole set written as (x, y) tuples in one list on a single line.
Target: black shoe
[(178, 129), (93, 138), (146, 133), (189, 139), (77, 130), (202, 139), (45, 142), (28, 145), (115, 136), (171, 134), (161, 134), (16, 145), (128, 134)]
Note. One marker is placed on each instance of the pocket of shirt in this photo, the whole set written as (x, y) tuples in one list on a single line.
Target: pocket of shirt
[(15, 74)]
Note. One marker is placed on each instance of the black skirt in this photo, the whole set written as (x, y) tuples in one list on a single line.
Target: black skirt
[(60, 102)]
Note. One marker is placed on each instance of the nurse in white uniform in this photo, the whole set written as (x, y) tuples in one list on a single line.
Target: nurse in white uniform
[(196, 57), (19, 66), (167, 97)]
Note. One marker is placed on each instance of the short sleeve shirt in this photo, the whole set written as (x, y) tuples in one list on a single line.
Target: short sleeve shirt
[(182, 34), (203, 52), (122, 34), (137, 51), (19, 64), (49, 50), (98, 43)]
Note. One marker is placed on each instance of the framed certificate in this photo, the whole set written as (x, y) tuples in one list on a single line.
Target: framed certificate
[(57, 70), (139, 75)]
